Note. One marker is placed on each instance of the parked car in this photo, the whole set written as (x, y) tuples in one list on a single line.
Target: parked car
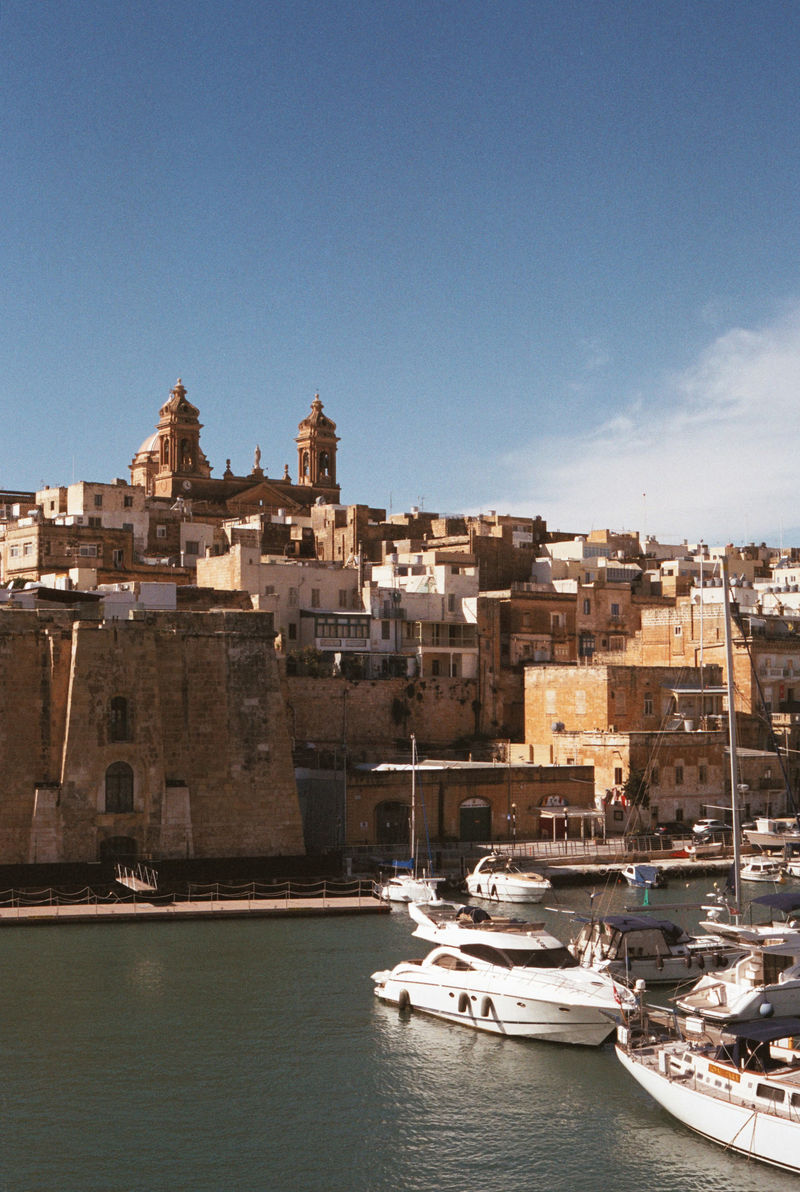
[(708, 825), (672, 828)]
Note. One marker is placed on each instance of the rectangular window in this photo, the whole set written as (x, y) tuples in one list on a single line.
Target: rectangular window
[(128, 526), (27, 548), (654, 776), (88, 551), (451, 603), (14, 552), (343, 598), (648, 704), (292, 598), (292, 631), (116, 558), (127, 501), (315, 598), (618, 776), (702, 774), (161, 531), (615, 611), (192, 547), (98, 500), (385, 626), (95, 522), (678, 630), (269, 589), (679, 775), (587, 607)]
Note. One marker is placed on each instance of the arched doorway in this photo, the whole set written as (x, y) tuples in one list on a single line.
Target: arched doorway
[(475, 820), (392, 823)]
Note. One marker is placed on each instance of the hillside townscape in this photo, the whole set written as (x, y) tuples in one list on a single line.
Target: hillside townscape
[(198, 666)]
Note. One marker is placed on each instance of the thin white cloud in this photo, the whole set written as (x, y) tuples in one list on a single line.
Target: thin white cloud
[(712, 454)]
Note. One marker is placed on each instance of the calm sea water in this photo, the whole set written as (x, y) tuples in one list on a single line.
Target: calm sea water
[(202, 1057)]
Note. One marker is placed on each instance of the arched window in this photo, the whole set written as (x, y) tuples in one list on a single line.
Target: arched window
[(306, 463), (119, 788), (324, 463), (119, 720)]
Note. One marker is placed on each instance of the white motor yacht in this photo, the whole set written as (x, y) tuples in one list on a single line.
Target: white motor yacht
[(774, 832), (503, 976), (500, 878), (634, 948), (764, 981), (741, 1091), (784, 908)]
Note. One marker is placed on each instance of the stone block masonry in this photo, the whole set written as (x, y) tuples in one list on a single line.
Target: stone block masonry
[(163, 737)]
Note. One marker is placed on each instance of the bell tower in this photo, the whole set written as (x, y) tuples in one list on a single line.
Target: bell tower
[(316, 450), (180, 458)]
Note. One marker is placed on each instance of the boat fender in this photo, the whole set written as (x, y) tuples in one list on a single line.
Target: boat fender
[(403, 1000), (659, 962), (701, 962), (487, 1008), (463, 1004), (687, 960), (719, 960)]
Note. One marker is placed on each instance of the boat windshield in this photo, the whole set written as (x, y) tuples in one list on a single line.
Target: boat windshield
[(543, 958)]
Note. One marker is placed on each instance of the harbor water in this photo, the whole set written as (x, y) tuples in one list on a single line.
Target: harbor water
[(252, 1055)]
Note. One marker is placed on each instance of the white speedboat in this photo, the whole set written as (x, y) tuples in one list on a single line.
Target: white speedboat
[(764, 981), (503, 976), (762, 869), (407, 887), (634, 948), (647, 877), (742, 1091), (502, 879)]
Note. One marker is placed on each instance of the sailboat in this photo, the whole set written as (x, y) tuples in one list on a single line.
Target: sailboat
[(409, 886)]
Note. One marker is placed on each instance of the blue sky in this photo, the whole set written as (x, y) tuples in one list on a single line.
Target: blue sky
[(535, 257)]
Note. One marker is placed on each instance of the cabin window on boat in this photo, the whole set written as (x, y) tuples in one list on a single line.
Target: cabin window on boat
[(453, 962), (549, 958), (119, 788), (119, 722), (768, 1093)]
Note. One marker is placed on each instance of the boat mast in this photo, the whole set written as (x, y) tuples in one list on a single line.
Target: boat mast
[(414, 804), (737, 877)]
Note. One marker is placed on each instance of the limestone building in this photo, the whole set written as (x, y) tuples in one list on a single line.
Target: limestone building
[(163, 736)]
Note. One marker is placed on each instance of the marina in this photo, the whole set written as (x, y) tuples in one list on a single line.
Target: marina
[(252, 1054)]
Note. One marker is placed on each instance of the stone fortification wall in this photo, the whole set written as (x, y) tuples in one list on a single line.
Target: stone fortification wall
[(370, 717), (187, 705)]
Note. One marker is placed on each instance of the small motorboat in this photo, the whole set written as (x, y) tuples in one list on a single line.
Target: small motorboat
[(647, 877), (762, 869)]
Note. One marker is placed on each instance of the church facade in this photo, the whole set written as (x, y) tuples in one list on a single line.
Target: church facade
[(171, 463)]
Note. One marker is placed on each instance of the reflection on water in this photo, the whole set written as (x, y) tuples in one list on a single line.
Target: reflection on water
[(204, 1057)]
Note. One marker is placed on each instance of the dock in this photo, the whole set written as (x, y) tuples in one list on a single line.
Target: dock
[(139, 911)]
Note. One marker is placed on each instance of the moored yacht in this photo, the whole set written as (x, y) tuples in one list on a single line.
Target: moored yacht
[(764, 981), (634, 948), (741, 1090), (503, 976), (501, 879)]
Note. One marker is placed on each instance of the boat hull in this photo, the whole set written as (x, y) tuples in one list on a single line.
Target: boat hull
[(500, 889), (738, 1127), (499, 1006)]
